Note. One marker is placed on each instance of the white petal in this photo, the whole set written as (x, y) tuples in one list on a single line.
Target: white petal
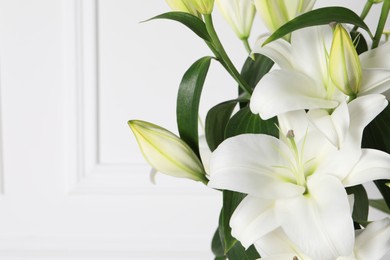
[(279, 51), (252, 219), (374, 242), (338, 163), (310, 48), (283, 90), (296, 121), (319, 223), (373, 165), (362, 111), (377, 58), (334, 126), (249, 164), (375, 81), (276, 243)]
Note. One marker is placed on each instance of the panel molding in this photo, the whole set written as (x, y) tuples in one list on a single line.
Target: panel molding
[(2, 184), (84, 172), (130, 247)]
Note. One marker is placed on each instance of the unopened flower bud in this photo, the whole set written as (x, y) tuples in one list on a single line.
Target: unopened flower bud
[(275, 13), (344, 64), (182, 6), (202, 6), (239, 14), (166, 152)]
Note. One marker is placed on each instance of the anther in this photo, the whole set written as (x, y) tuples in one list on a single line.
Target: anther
[(290, 134)]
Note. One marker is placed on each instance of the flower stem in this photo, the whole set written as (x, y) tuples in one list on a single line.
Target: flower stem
[(223, 57), (381, 23), (366, 10), (247, 46)]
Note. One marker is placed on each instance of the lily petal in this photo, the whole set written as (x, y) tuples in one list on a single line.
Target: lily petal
[(375, 81), (376, 58), (277, 244), (253, 218), (334, 126), (296, 121), (374, 242), (279, 51), (319, 223), (373, 165), (233, 167), (239, 14), (362, 111), (310, 47), (284, 90)]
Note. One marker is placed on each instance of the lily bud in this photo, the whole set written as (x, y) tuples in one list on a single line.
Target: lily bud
[(344, 64), (239, 14), (202, 6), (182, 6), (275, 13), (166, 152)]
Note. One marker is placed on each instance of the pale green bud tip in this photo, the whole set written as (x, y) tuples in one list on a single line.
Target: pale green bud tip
[(182, 6), (166, 152), (239, 14), (275, 13), (202, 6), (345, 68)]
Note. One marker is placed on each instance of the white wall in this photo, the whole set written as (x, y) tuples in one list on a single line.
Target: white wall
[(73, 182)]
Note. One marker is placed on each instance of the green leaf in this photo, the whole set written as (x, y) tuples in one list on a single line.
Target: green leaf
[(238, 252), (360, 206), (188, 98), (380, 204), (254, 70), (319, 16), (216, 121), (216, 245), (376, 136), (189, 20), (244, 121), (230, 202)]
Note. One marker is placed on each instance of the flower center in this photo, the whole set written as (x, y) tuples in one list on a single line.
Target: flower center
[(297, 165)]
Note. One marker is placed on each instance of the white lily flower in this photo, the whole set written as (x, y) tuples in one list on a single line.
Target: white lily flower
[(275, 13), (182, 6), (304, 79), (239, 14), (166, 152), (371, 243), (297, 183)]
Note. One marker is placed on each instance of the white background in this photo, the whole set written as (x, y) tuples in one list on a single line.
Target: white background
[(73, 183)]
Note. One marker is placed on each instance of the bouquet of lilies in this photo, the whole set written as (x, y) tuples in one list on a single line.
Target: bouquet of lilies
[(310, 125)]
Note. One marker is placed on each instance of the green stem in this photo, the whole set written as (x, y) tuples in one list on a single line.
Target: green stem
[(381, 23), (366, 10), (247, 46), (223, 57)]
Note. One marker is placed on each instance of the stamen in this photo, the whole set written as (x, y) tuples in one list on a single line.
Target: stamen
[(290, 134), (299, 170)]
